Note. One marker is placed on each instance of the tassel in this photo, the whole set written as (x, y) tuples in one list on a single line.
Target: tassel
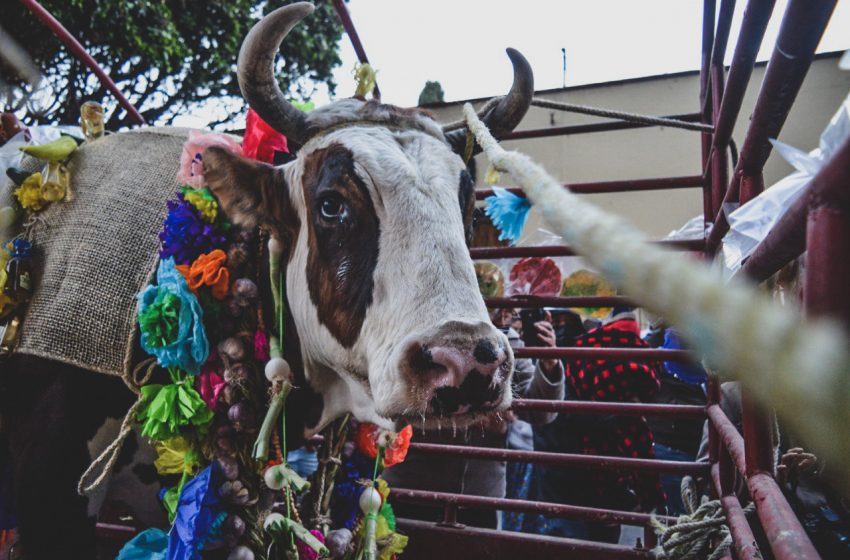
[(508, 212)]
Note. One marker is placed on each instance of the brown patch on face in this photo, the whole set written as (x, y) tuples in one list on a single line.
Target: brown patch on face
[(342, 235), (251, 193), (466, 199)]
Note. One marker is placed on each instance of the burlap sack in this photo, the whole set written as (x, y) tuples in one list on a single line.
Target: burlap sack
[(97, 251)]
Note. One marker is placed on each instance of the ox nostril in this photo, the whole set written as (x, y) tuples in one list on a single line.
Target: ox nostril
[(485, 352)]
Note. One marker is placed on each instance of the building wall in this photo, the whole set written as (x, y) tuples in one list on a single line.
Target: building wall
[(659, 152)]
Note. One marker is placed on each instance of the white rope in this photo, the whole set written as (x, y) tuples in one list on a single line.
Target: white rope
[(802, 368)]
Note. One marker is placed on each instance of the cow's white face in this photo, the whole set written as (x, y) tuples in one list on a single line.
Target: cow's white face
[(373, 216), (379, 279)]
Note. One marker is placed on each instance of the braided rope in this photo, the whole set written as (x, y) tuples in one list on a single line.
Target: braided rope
[(798, 366), (621, 115)]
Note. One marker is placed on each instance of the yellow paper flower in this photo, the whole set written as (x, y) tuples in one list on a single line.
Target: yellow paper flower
[(29, 193), (174, 456), (4, 299), (203, 202)]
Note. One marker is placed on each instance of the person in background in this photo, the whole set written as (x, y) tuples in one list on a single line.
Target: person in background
[(676, 439), (610, 379), (541, 380)]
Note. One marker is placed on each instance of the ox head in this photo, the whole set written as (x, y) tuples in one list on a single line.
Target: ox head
[(374, 215)]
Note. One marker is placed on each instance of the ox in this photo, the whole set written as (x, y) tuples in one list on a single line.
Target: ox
[(372, 217)]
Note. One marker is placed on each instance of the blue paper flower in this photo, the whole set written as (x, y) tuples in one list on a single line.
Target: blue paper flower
[(198, 516), (150, 544), (189, 347), (508, 212), (185, 234), (302, 461)]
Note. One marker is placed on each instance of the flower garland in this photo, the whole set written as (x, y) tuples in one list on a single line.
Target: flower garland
[(234, 485)]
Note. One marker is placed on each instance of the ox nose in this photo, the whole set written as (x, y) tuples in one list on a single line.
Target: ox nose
[(461, 374)]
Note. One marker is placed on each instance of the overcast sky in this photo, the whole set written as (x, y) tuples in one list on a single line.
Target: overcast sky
[(461, 43)]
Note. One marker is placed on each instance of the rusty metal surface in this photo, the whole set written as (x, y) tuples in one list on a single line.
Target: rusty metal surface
[(627, 185), (607, 126), (565, 251), (348, 24), (525, 506), (732, 441), (554, 301), (562, 459), (828, 264), (433, 541), (684, 411), (787, 538), (577, 353), (743, 541)]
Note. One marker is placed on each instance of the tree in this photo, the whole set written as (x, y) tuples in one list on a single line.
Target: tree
[(167, 56), (431, 93)]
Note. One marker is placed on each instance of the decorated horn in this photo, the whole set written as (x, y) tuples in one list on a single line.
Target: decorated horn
[(510, 110), (255, 70)]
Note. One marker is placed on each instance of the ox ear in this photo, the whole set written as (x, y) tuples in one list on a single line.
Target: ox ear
[(250, 193)]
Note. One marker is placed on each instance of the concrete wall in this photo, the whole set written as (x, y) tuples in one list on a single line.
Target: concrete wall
[(659, 152)]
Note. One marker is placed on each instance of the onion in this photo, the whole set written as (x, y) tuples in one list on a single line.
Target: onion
[(237, 255), (236, 374), (233, 307), (232, 348), (233, 525), (244, 291), (241, 552), (234, 492), (241, 416), (230, 395), (229, 467), (277, 369), (337, 542)]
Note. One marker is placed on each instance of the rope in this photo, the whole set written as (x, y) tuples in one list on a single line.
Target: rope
[(798, 366), (107, 459), (692, 536), (621, 115)]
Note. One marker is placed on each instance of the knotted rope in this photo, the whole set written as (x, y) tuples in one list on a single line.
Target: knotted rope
[(798, 366), (105, 462), (702, 529)]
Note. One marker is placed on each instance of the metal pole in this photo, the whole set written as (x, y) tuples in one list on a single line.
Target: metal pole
[(627, 185), (607, 126), (564, 251), (683, 411), (82, 55), (348, 24)]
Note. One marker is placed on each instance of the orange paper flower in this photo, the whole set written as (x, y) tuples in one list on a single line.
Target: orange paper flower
[(208, 270), (369, 438)]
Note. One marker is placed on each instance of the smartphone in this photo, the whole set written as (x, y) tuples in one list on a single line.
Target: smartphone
[(529, 331)]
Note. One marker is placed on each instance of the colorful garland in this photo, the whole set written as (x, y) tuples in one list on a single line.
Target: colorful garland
[(203, 324)]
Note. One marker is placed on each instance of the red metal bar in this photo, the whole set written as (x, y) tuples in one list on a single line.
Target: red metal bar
[(728, 434), (546, 301), (758, 436), (564, 459), (713, 398), (433, 541), (787, 240), (743, 541), (565, 251), (582, 353), (683, 411), (719, 158), (802, 28), (828, 264), (82, 55), (525, 506), (606, 126), (709, 8), (661, 183), (348, 24), (753, 26), (787, 538)]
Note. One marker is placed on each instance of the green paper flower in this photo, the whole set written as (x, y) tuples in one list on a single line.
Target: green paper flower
[(167, 408)]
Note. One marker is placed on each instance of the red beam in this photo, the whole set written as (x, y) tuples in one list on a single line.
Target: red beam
[(553, 301), (607, 126), (348, 24), (563, 459), (545, 508), (743, 541), (579, 353), (565, 251), (82, 55), (433, 541), (802, 28), (786, 535), (828, 264), (728, 434), (684, 411), (633, 185)]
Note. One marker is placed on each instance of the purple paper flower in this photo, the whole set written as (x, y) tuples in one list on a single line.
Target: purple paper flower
[(185, 234)]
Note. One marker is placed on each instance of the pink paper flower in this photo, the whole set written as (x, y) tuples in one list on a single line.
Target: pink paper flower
[(210, 384), (307, 553), (191, 170)]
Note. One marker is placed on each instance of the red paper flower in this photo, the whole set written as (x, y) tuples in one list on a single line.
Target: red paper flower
[(261, 140), (370, 437)]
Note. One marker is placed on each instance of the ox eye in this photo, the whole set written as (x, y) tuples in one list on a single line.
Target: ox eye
[(332, 208)]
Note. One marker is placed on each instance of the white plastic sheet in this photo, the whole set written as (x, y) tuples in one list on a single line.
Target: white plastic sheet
[(750, 223)]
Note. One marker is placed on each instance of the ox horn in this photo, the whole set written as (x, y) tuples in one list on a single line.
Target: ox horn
[(255, 70), (510, 110)]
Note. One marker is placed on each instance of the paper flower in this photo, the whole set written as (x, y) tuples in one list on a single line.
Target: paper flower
[(369, 438), (261, 141), (185, 234), (167, 408), (197, 517), (307, 553), (29, 193), (150, 544), (210, 385), (174, 456), (203, 201), (208, 270), (171, 321), (508, 212), (191, 170)]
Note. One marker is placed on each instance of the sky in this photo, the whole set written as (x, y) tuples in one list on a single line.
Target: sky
[(461, 43)]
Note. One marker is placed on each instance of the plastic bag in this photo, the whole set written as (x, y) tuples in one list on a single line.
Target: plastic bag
[(749, 224)]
